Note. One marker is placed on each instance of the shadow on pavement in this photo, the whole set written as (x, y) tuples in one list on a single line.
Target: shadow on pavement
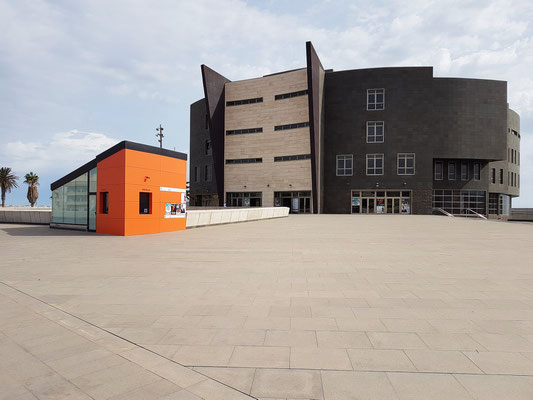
[(41, 230)]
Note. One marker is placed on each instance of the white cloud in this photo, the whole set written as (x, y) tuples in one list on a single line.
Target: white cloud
[(65, 152), (129, 64)]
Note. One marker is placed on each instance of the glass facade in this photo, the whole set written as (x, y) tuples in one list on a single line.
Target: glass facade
[(298, 202), (70, 201), (459, 201), (244, 199)]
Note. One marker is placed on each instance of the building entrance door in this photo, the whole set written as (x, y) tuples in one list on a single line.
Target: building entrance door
[(393, 206), (92, 212), (381, 202)]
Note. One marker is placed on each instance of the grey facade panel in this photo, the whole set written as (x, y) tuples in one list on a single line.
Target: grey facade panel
[(199, 134), (214, 84), (448, 119), (469, 118), (407, 120)]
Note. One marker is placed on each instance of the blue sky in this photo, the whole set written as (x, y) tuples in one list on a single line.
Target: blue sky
[(77, 77)]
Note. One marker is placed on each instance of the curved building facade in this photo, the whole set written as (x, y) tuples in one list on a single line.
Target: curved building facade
[(380, 140)]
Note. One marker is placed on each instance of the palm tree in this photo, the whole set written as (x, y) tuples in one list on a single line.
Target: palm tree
[(8, 181), (33, 194)]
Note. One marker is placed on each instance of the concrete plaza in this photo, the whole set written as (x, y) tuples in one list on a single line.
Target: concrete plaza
[(304, 307)]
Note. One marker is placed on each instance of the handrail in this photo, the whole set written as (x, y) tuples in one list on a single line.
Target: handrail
[(478, 214), (444, 212)]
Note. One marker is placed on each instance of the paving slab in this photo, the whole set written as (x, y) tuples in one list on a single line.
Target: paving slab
[(342, 306)]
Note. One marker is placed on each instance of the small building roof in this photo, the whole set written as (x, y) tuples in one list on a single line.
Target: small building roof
[(115, 149)]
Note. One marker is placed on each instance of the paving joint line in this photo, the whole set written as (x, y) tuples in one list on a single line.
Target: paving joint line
[(123, 338)]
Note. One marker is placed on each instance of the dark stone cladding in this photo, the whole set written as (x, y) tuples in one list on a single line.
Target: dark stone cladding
[(199, 133), (214, 91), (314, 69), (109, 152), (433, 118)]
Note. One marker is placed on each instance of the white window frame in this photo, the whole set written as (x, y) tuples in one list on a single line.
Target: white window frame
[(454, 170), (374, 157), (478, 178), (343, 157), (467, 172), (375, 93), (441, 171), (405, 157), (375, 125)]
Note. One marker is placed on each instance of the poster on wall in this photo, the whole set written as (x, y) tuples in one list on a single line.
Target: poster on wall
[(380, 209), (355, 202), (176, 210), (406, 209)]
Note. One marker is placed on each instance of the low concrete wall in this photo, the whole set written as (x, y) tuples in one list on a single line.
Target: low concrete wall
[(521, 214), (26, 215), (197, 218)]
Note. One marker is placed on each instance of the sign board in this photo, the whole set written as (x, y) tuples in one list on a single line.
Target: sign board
[(175, 210)]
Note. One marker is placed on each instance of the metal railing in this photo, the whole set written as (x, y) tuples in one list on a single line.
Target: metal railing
[(443, 211), (476, 213)]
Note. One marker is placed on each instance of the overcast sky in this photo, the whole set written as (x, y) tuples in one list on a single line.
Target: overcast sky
[(78, 76)]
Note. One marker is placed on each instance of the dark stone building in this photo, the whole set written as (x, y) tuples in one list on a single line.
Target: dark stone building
[(379, 140)]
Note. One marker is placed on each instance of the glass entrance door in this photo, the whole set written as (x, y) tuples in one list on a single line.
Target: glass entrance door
[(92, 212), (381, 202)]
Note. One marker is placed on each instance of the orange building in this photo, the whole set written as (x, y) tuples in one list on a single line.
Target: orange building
[(129, 189)]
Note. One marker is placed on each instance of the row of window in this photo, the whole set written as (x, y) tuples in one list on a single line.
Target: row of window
[(260, 99), (207, 173), (513, 179), (243, 131), (245, 101), (375, 164), (276, 159), (291, 94), (513, 132), (464, 173), (513, 156), (375, 99), (259, 130), (145, 203)]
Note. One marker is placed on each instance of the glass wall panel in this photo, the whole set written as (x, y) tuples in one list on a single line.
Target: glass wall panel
[(69, 202), (81, 200), (57, 205), (92, 180)]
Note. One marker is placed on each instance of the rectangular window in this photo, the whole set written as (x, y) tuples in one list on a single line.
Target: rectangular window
[(501, 176), (375, 99), (245, 161), (291, 126), (245, 101), (477, 171), (208, 150), (145, 203), (464, 171), (292, 158), (375, 132), (438, 171), (451, 171), (104, 203), (243, 131), (345, 165), (289, 95), (493, 175), (206, 121), (197, 174), (208, 173), (374, 164), (406, 164)]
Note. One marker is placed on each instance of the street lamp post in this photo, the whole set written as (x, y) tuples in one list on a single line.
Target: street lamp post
[(160, 135)]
